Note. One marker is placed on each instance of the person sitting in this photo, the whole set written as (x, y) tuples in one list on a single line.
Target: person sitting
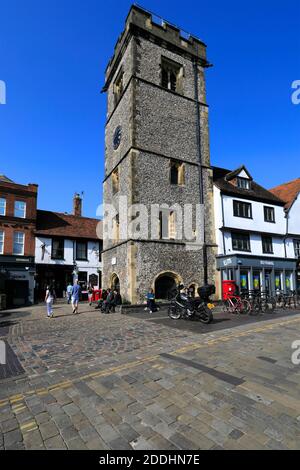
[(101, 301), (151, 305), (117, 300), (109, 302)]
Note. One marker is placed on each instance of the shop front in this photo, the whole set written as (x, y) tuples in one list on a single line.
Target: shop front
[(254, 273), (17, 280)]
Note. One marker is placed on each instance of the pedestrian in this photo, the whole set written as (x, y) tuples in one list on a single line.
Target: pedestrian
[(116, 300), (76, 291), (49, 299), (69, 292), (102, 299), (108, 303), (151, 305), (90, 294)]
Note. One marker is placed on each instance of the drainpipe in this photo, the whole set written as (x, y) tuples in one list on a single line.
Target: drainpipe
[(199, 154), (223, 225), (287, 231)]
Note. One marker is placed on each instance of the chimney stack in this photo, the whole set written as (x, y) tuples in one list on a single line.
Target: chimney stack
[(77, 205)]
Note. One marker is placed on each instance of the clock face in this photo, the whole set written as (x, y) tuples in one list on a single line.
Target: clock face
[(117, 137)]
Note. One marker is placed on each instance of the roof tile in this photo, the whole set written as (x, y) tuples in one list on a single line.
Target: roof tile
[(66, 225)]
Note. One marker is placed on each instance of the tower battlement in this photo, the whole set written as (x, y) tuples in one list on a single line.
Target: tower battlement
[(140, 21)]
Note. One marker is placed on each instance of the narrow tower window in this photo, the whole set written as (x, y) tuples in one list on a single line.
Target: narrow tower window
[(171, 75), (115, 181), (177, 173), (118, 87)]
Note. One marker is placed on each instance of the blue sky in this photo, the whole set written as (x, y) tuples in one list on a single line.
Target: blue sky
[(53, 55)]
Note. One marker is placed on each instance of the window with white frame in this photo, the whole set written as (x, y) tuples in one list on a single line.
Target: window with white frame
[(242, 209), (2, 206), (18, 247), (1, 242), (243, 183), (20, 209), (297, 248)]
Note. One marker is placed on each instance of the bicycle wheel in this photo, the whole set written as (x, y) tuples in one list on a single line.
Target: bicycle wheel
[(245, 306), (227, 307), (271, 305)]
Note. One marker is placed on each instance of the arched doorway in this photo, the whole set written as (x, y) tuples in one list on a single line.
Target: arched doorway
[(115, 282), (165, 284)]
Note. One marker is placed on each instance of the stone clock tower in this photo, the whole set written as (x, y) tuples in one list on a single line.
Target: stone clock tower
[(156, 156)]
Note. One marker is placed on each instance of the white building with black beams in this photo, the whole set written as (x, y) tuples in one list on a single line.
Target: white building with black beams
[(250, 228)]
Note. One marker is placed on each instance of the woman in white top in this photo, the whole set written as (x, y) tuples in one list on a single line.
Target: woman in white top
[(49, 301)]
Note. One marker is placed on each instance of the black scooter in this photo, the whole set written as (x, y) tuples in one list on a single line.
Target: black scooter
[(198, 308)]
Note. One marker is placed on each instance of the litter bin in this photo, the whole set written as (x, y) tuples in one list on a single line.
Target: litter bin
[(229, 288)]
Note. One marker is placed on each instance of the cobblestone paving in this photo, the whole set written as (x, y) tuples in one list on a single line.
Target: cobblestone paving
[(97, 381)]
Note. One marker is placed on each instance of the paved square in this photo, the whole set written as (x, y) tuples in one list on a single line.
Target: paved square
[(95, 381)]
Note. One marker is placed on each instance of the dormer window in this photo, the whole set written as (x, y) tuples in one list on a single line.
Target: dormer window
[(243, 183)]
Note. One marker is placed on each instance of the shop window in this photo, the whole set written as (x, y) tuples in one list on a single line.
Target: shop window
[(177, 173), (297, 248), (18, 243), (267, 245), (82, 279), (278, 284), (81, 251), (244, 281), (242, 183), (288, 281), (2, 206), (20, 209), (242, 209), (241, 241), (256, 280), (269, 213), (115, 181), (58, 248), (118, 87), (1, 242), (171, 75)]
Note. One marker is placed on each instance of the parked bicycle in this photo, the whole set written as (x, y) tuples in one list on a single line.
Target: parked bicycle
[(287, 300), (237, 305), (260, 301)]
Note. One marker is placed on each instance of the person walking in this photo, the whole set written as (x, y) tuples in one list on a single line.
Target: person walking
[(49, 299), (90, 294), (69, 292), (76, 291)]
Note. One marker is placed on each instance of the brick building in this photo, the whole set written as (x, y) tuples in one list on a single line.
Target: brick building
[(157, 153), (18, 208)]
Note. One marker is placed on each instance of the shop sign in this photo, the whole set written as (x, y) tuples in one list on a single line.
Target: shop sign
[(227, 262), (267, 263)]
